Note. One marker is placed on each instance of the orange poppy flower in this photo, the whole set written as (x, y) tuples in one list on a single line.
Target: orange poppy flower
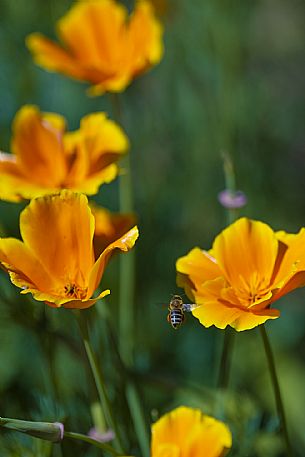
[(109, 226), (186, 432), (47, 159), (248, 268), (101, 45), (55, 261)]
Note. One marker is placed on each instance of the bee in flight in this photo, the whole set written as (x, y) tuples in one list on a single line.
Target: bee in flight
[(177, 309)]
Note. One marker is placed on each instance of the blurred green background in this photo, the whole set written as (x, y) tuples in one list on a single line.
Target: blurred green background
[(232, 79)]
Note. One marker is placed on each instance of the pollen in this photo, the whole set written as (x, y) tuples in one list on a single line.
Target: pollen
[(72, 290)]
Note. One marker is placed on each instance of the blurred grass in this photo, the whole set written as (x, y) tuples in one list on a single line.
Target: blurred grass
[(232, 79)]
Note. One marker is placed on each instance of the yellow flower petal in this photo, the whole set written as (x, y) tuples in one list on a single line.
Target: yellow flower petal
[(125, 243), (109, 227), (25, 269), (246, 247), (146, 35), (59, 230), (102, 46), (91, 184), (38, 148), (186, 432), (199, 265), (53, 57), (103, 139)]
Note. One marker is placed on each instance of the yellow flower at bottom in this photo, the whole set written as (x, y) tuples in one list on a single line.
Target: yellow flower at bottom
[(248, 268), (186, 432), (55, 261)]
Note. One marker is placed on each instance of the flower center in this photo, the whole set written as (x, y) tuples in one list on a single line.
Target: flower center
[(254, 289), (72, 290)]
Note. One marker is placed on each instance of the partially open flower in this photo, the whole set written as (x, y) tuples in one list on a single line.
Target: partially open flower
[(186, 432), (109, 226), (101, 44), (47, 159), (55, 261), (248, 268)]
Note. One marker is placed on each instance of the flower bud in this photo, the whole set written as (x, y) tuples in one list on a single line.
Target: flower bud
[(48, 431)]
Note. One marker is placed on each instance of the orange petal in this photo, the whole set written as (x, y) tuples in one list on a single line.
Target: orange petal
[(220, 315), (293, 259), (146, 37), (116, 83), (38, 148), (92, 31), (103, 140), (52, 57), (125, 243), (59, 230), (109, 227), (91, 184), (292, 282), (25, 270), (199, 265), (245, 248)]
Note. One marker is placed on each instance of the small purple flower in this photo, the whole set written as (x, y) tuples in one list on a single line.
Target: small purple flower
[(232, 200), (102, 437)]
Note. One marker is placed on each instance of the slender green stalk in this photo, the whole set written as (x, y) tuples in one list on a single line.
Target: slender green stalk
[(98, 378), (230, 182), (136, 411), (225, 363), (276, 389), (127, 262), (127, 299), (87, 439)]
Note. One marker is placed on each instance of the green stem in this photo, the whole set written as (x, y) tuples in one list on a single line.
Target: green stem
[(225, 362), (230, 183), (87, 439), (127, 262), (98, 378), (276, 389), (127, 299)]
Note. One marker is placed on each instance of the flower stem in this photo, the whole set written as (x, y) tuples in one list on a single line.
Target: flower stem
[(87, 439), (127, 262), (276, 389), (127, 298), (230, 182), (225, 362), (98, 378)]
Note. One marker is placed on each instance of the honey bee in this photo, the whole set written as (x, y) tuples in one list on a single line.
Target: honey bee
[(177, 309)]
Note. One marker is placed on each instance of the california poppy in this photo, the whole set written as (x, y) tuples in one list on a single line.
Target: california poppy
[(248, 268), (101, 44), (45, 158), (55, 260), (187, 432)]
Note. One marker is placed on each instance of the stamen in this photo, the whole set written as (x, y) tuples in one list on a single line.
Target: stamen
[(72, 290)]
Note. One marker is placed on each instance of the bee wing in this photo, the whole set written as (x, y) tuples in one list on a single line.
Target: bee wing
[(188, 307)]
